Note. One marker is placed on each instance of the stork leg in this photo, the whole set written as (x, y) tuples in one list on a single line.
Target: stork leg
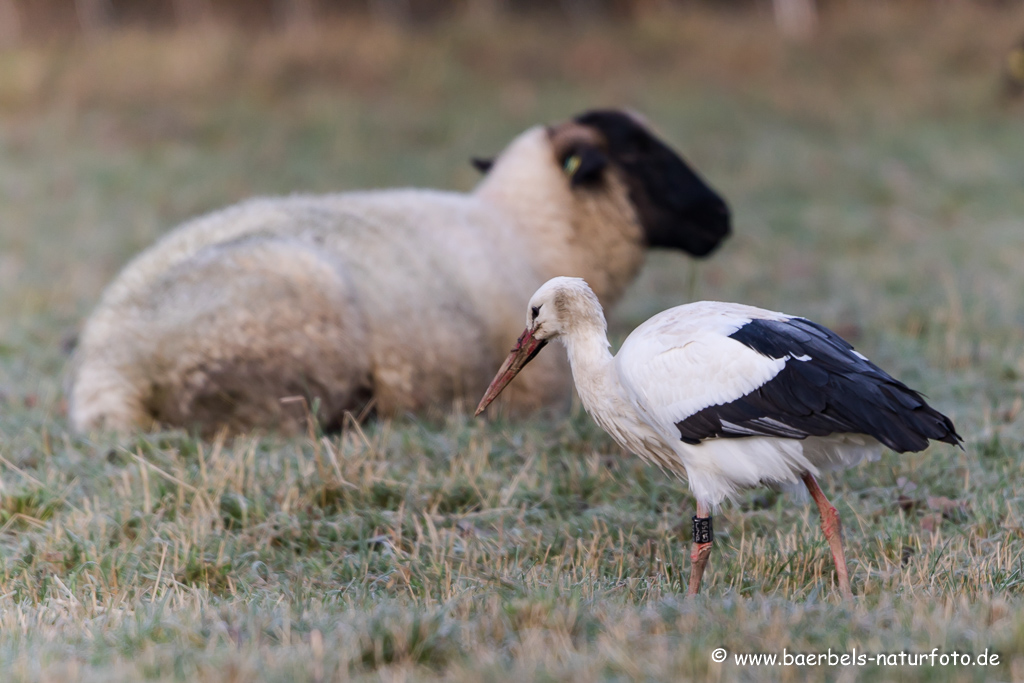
[(699, 554), (833, 529)]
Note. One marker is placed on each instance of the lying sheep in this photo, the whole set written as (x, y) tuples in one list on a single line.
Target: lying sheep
[(400, 299)]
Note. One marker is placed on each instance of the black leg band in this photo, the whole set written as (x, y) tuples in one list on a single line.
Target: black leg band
[(702, 532)]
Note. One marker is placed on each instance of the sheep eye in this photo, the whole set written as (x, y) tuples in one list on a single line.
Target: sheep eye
[(536, 311), (571, 165)]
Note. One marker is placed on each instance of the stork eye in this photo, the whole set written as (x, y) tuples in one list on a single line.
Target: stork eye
[(535, 311), (572, 164)]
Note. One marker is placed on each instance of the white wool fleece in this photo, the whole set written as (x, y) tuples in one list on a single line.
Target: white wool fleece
[(408, 298)]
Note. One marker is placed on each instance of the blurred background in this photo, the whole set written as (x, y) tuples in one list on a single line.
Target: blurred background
[(872, 151)]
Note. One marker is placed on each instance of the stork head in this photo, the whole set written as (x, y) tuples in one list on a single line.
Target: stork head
[(561, 306)]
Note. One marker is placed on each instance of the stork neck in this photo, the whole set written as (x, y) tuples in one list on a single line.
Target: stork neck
[(592, 367)]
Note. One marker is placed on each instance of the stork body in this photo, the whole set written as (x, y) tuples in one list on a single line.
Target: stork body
[(729, 397)]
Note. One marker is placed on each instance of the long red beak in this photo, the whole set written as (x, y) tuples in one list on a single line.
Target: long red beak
[(526, 348)]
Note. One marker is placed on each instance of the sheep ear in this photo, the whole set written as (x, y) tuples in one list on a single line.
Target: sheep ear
[(482, 165), (585, 166)]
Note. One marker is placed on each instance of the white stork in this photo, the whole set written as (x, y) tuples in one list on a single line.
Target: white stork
[(729, 397)]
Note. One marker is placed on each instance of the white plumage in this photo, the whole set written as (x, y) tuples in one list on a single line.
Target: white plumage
[(728, 396), (683, 360)]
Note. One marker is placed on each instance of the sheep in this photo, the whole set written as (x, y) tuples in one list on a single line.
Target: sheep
[(402, 300)]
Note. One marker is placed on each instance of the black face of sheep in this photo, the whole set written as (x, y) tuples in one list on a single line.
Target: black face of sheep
[(676, 207)]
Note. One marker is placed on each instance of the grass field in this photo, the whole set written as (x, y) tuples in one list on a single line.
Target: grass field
[(877, 181)]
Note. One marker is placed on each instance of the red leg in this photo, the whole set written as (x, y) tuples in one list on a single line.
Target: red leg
[(699, 554), (833, 529)]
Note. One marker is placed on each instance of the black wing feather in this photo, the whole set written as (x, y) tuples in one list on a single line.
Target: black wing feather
[(835, 391)]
